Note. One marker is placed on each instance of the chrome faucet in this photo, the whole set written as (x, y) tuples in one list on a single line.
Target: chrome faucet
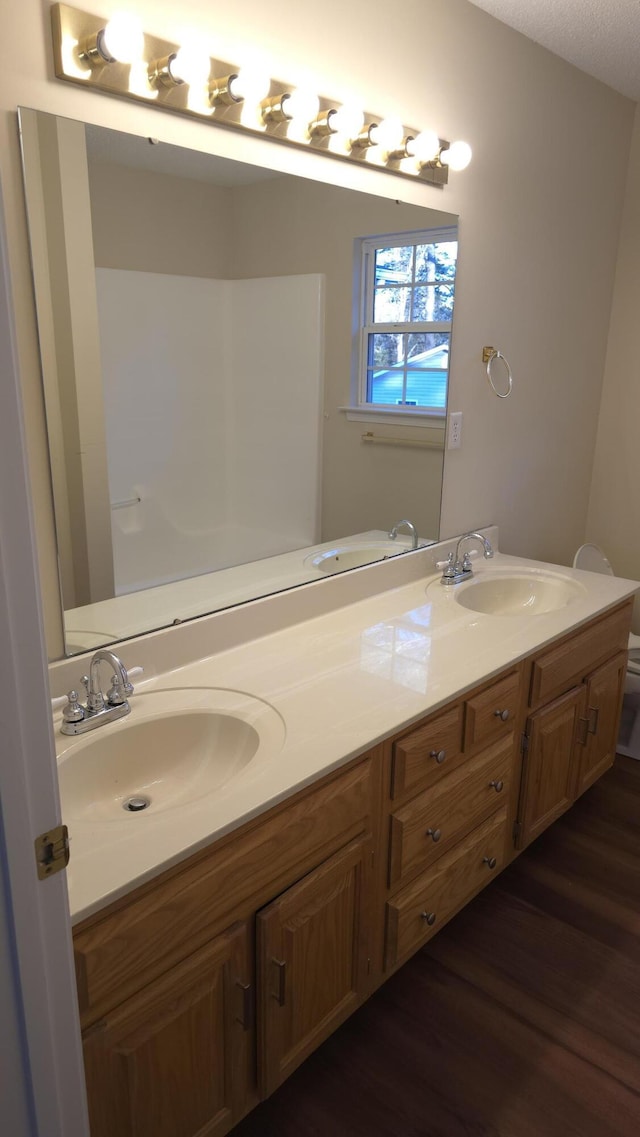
[(99, 708), (393, 533), (457, 570)]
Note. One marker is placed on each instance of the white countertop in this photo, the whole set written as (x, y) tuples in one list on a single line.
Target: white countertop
[(340, 683)]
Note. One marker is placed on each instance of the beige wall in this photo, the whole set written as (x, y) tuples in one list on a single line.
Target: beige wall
[(614, 506), (158, 224), (539, 209)]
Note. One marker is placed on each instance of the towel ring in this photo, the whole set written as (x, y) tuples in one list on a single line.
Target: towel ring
[(489, 354)]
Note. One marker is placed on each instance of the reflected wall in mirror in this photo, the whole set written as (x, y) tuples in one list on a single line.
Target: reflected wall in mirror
[(200, 325)]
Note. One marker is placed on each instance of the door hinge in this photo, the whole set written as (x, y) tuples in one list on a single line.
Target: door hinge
[(524, 744), (517, 830), (52, 851)]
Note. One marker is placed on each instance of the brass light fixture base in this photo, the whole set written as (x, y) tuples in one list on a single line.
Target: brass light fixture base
[(77, 59)]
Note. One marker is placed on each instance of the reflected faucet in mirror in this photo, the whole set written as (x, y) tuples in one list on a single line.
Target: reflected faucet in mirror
[(393, 533), (99, 708)]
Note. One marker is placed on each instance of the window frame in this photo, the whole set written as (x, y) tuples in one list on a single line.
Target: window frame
[(362, 409)]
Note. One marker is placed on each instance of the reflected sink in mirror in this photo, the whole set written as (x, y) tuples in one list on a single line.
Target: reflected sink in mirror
[(343, 557), (174, 748), (507, 592)]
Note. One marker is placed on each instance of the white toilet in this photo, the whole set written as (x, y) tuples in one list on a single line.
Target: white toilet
[(590, 558)]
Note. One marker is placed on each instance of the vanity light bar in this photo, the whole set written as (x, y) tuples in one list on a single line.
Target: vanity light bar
[(123, 60)]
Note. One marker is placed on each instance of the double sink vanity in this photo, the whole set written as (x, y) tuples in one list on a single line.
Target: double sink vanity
[(317, 802)]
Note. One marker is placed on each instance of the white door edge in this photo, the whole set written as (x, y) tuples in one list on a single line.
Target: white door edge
[(38, 924)]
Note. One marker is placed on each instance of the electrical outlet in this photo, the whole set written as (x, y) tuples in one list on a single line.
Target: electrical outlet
[(454, 437)]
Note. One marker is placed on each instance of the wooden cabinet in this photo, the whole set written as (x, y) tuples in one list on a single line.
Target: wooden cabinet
[(416, 913), (167, 977), (451, 810), (205, 988), (174, 1060), (605, 689), (435, 820), (549, 764), (313, 956), (428, 752), (570, 740)]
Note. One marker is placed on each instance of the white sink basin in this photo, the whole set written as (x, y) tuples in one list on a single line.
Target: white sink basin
[(509, 592), (343, 557), (174, 748)]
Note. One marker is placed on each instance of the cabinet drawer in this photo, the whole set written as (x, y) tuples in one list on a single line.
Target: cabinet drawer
[(431, 823), (492, 713), (425, 755), (556, 670), (421, 909), (171, 918)]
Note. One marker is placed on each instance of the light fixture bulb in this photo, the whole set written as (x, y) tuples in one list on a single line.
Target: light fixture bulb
[(250, 85), (457, 156), (191, 64), (424, 147), (389, 134), (122, 39), (347, 121), (301, 105)]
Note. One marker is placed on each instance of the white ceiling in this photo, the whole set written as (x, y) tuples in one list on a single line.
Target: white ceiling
[(601, 37)]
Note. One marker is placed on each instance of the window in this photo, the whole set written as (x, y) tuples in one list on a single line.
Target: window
[(407, 288)]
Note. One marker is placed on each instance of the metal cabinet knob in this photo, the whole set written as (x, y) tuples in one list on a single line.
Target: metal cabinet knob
[(439, 755), (429, 918), (434, 834), (504, 715), (491, 862), (498, 786)]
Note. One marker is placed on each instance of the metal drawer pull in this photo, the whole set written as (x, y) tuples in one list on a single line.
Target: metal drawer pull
[(491, 862), (247, 1005), (281, 964), (439, 755), (434, 834), (594, 714), (504, 715), (429, 918), (498, 786)]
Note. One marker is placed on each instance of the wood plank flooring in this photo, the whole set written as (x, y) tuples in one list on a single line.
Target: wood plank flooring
[(520, 1019)]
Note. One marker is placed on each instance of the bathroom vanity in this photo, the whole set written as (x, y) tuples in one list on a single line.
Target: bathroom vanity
[(426, 744)]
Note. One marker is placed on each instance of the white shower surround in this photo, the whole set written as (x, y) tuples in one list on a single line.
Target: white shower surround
[(213, 392)]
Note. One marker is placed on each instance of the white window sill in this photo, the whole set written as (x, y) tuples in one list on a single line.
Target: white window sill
[(407, 417)]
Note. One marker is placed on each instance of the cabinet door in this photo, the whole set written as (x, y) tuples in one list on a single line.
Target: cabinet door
[(312, 961), (548, 780), (605, 689), (173, 1060)]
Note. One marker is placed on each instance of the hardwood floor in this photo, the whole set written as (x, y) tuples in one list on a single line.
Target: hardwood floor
[(520, 1019)]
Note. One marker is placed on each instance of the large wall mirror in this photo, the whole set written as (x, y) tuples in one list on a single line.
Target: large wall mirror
[(200, 323)]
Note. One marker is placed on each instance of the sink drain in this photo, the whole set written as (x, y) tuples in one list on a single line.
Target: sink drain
[(136, 804)]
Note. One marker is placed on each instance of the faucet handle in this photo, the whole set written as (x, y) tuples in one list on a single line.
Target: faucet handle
[(450, 569), (117, 693), (73, 711)]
